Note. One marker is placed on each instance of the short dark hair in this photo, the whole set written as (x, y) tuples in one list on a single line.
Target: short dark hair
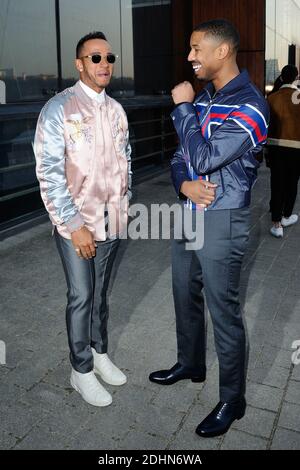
[(289, 73), (221, 29), (87, 37)]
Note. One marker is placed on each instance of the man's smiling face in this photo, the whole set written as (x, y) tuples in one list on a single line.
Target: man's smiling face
[(204, 55)]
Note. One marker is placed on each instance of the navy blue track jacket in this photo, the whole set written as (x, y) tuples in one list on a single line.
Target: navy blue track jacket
[(219, 135)]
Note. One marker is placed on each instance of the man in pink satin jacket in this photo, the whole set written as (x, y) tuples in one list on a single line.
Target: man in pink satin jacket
[(83, 166)]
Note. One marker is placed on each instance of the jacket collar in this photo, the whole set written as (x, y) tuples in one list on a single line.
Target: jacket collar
[(83, 96), (290, 85), (100, 97), (233, 86)]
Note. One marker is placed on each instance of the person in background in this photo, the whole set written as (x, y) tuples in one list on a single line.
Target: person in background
[(277, 85), (284, 150)]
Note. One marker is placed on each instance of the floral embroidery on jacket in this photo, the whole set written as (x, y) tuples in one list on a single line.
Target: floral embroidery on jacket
[(79, 131)]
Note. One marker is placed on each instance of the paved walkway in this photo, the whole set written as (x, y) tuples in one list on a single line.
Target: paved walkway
[(39, 409)]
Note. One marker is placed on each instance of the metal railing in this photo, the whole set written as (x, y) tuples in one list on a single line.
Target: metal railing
[(160, 143)]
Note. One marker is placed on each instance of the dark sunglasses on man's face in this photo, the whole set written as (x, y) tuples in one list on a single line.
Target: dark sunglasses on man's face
[(96, 58)]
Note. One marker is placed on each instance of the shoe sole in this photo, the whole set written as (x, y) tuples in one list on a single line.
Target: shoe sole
[(276, 236), (288, 225), (87, 401), (110, 382), (171, 382), (215, 434)]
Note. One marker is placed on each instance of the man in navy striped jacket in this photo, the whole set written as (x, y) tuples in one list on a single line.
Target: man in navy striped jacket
[(214, 168)]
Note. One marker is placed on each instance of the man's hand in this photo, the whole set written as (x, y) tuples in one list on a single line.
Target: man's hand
[(84, 243), (183, 93), (199, 191)]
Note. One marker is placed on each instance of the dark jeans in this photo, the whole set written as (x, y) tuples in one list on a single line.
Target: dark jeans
[(216, 268), (285, 170), (87, 309)]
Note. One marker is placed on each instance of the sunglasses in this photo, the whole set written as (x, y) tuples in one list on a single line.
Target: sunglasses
[(96, 58)]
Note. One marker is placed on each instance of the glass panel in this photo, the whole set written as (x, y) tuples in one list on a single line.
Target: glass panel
[(28, 63), (152, 39), (78, 18), (270, 13), (19, 191), (127, 48), (139, 32), (272, 68), (282, 30)]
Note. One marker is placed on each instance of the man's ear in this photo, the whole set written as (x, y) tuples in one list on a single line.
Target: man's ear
[(223, 51), (79, 65)]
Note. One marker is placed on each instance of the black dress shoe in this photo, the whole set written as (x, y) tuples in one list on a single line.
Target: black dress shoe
[(220, 419), (178, 372)]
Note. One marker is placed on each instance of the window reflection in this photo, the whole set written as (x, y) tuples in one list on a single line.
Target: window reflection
[(282, 30), (140, 32), (152, 39), (114, 19), (28, 63)]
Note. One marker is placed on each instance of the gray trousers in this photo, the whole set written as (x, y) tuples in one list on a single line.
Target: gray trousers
[(216, 268), (87, 309)]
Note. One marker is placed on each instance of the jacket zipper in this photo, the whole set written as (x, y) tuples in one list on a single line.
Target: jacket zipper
[(209, 108), (211, 102)]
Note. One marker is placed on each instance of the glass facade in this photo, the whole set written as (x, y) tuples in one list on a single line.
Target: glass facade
[(139, 31), (282, 37), (19, 192), (28, 59), (37, 51), (114, 19)]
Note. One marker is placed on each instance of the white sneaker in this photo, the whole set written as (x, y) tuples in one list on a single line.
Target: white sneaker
[(293, 219), (276, 231), (107, 370), (90, 389)]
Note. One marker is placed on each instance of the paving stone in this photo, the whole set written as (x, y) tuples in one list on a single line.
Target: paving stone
[(46, 395), (19, 419), (238, 440), (264, 396), (256, 422), (38, 407), (162, 422), (88, 439), (290, 417), (10, 392), (274, 376), (65, 420), (272, 356), (141, 441), (115, 421), (296, 373), (285, 440), (177, 398), (27, 374), (293, 392), (41, 439), (187, 439), (7, 441), (60, 376)]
